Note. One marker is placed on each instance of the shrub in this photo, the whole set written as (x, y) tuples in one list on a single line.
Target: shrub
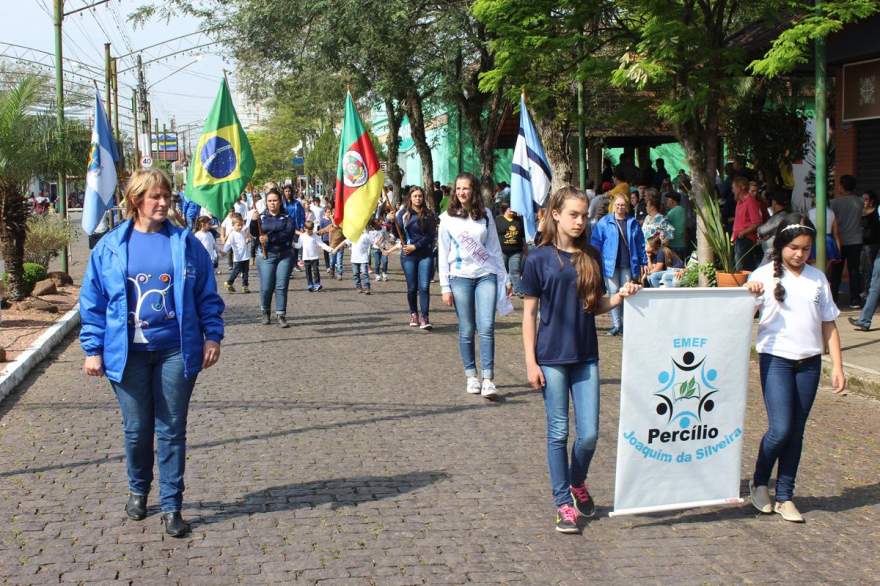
[(691, 275), (47, 234), (33, 274)]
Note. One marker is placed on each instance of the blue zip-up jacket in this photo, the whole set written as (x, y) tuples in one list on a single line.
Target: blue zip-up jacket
[(191, 211), (413, 234), (606, 238), (103, 303), (297, 213)]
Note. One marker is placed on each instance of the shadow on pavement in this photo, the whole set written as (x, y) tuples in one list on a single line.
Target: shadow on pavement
[(335, 492)]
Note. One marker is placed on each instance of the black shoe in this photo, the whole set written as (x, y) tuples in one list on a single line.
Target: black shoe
[(266, 319), (136, 507), (583, 502), (175, 526), (282, 321)]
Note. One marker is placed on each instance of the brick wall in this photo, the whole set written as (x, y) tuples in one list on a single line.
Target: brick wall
[(844, 136)]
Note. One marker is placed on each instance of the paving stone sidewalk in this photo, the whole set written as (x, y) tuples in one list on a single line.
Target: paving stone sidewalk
[(344, 450)]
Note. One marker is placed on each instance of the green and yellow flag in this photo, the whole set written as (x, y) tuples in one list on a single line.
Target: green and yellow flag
[(222, 163), (359, 179)]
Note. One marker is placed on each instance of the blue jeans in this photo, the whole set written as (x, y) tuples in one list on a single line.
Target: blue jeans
[(154, 398), (336, 261), (361, 275), (666, 278), (620, 277), (239, 268), (873, 295), (789, 388), (475, 309), (380, 262), (513, 264), (274, 276), (582, 382), (418, 270)]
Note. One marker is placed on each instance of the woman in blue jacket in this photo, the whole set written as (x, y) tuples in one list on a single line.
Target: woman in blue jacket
[(417, 229), (622, 245), (151, 321)]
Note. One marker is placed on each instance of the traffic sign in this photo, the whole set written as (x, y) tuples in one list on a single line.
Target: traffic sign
[(146, 162)]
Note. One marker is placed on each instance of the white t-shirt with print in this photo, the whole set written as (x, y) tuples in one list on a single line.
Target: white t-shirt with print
[(793, 329)]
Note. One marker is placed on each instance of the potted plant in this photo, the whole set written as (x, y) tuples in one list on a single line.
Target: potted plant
[(719, 241)]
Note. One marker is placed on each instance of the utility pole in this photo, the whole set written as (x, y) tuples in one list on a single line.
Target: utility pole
[(582, 139), (115, 100), (821, 150), (135, 111), (59, 114), (108, 83), (144, 119)]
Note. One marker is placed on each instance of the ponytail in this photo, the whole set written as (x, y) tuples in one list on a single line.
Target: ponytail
[(779, 290)]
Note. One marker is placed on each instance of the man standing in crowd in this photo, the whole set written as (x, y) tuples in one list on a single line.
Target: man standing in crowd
[(746, 220), (847, 208)]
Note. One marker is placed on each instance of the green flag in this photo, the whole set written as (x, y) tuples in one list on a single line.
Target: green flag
[(222, 163)]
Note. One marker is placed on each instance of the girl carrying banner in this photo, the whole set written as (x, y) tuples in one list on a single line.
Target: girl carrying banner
[(563, 278), (472, 277), (796, 324)]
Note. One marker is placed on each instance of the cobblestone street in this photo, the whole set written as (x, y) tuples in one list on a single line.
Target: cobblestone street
[(344, 450)]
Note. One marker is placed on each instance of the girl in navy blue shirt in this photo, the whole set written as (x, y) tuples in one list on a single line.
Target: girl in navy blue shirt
[(563, 278)]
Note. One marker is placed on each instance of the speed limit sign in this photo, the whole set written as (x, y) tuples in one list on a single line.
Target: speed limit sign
[(146, 162)]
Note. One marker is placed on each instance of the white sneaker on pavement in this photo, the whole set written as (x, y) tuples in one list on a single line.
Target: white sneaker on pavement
[(488, 390), (789, 512), (760, 497), (473, 385)]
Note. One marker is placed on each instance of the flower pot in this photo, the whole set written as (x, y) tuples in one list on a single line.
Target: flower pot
[(737, 279)]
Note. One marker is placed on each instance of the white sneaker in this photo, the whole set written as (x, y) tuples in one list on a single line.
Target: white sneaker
[(760, 497), (384, 276), (473, 385), (488, 391), (789, 512)]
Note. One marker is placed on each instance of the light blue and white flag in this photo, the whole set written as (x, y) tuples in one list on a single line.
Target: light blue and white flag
[(530, 172), (101, 174)]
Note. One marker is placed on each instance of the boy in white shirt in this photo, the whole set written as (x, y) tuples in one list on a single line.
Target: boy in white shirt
[(236, 243), (360, 262), (311, 246)]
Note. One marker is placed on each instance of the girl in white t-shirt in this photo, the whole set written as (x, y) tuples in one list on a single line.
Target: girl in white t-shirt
[(796, 324)]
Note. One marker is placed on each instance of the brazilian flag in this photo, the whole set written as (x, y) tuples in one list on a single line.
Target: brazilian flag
[(223, 162)]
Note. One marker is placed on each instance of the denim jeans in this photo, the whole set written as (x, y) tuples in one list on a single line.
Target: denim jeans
[(361, 275), (789, 387), (239, 268), (154, 397), (475, 309), (336, 260), (620, 277), (513, 264), (274, 276), (665, 278), (851, 255), (582, 382), (417, 269), (873, 295), (313, 273), (380, 262)]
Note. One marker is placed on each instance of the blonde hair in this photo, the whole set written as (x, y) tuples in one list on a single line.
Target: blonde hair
[(586, 259), (140, 182), (625, 199)]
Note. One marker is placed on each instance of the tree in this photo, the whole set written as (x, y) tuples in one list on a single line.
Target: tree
[(321, 159), (30, 145)]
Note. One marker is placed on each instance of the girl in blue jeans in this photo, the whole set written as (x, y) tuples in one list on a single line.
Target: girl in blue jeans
[(796, 324), (151, 321), (563, 279), (416, 226)]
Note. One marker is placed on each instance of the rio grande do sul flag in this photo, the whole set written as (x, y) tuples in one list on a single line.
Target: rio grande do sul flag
[(222, 163), (359, 179)]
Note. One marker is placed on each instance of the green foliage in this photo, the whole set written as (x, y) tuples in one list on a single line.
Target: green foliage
[(321, 159), (31, 275), (713, 228), (273, 152), (794, 45), (47, 234), (690, 276)]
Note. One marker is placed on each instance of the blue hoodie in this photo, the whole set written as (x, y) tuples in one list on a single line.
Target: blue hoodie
[(606, 238), (297, 213), (103, 303)]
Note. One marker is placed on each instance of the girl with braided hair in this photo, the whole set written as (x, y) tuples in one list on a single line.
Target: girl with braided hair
[(795, 325)]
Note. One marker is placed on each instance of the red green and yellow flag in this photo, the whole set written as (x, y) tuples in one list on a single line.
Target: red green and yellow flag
[(359, 179)]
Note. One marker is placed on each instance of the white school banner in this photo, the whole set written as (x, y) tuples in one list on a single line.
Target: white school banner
[(682, 398)]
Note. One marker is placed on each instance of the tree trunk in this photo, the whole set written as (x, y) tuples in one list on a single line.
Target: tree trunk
[(417, 127), (13, 231), (701, 147), (556, 136), (394, 173), (485, 129)]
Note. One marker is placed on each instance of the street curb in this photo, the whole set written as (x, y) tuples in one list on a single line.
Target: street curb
[(41, 347), (861, 380)]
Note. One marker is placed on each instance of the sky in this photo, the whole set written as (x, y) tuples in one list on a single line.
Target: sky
[(186, 95)]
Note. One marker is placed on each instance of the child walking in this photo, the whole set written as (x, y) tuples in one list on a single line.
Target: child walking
[(360, 262), (563, 279), (311, 245), (205, 235), (237, 243), (797, 322)]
